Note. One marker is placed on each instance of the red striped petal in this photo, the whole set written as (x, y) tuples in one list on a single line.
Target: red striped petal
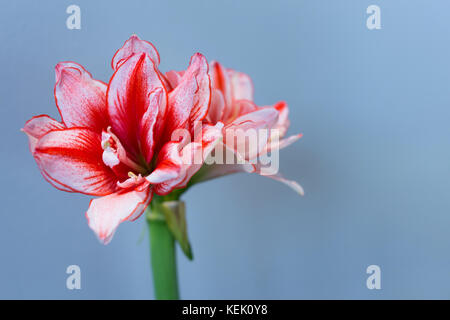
[(178, 161), (37, 126), (73, 159), (190, 100), (81, 100), (132, 46), (246, 129), (217, 106), (241, 85), (106, 213), (221, 81), (128, 102), (283, 117), (148, 121)]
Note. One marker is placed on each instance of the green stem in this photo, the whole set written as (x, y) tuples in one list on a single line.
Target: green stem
[(163, 255)]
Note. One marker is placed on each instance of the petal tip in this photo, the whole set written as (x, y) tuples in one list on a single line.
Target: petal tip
[(68, 67), (134, 45)]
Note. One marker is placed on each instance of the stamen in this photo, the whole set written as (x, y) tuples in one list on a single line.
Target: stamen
[(114, 153), (132, 175)]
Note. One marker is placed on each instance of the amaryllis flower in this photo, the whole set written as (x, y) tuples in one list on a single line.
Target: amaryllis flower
[(232, 104), (114, 141)]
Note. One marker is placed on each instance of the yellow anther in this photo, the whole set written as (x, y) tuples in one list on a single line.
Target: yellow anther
[(132, 175)]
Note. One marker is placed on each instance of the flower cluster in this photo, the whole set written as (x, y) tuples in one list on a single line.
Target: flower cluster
[(120, 141)]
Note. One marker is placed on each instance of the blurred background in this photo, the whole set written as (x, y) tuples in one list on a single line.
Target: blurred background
[(374, 108)]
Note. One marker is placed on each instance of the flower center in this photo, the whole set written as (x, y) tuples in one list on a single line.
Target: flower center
[(114, 153), (110, 156)]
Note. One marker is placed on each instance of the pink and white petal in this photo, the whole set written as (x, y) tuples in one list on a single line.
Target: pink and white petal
[(197, 152), (290, 183), (73, 159), (187, 154), (54, 183), (180, 103), (173, 77), (132, 46), (128, 99), (37, 126), (213, 171), (148, 122), (106, 213), (199, 66), (261, 118), (281, 144), (224, 162), (279, 177), (168, 164), (221, 81), (163, 173), (241, 85), (179, 163), (189, 101), (246, 130), (40, 125), (283, 117), (244, 107), (240, 108), (134, 182), (80, 99), (217, 107)]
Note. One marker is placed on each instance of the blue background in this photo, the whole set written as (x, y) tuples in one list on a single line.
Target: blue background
[(374, 107)]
